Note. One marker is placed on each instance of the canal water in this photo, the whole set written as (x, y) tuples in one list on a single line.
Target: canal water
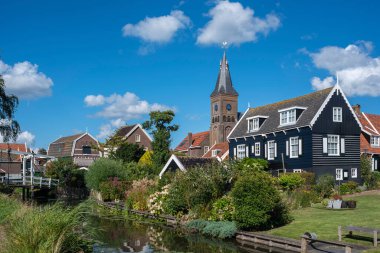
[(136, 236)]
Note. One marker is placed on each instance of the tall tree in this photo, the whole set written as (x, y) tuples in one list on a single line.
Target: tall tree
[(42, 151), (161, 128), (9, 128)]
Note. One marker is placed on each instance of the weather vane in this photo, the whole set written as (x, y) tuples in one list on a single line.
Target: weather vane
[(224, 44)]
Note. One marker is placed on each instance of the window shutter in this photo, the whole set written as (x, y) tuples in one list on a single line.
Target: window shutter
[(247, 151), (342, 146), (275, 149), (325, 145), (287, 148), (253, 149), (234, 152), (266, 151), (300, 146)]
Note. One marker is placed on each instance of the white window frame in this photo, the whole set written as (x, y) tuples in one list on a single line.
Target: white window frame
[(257, 148), (288, 117), (215, 152), (297, 170), (354, 172), (336, 142), (339, 174), (253, 124), (271, 150), (293, 147), (337, 114), (375, 141), (206, 149), (240, 151), (137, 138)]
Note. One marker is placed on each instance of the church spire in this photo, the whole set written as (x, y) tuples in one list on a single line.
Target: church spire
[(224, 83)]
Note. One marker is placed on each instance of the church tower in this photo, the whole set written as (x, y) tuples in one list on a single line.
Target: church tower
[(224, 103)]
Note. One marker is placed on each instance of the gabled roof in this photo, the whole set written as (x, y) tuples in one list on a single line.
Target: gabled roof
[(370, 123), (224, 83), (197, 140), (126, 131), (312, 102), (222, 155), (183, 163), (64, 146)]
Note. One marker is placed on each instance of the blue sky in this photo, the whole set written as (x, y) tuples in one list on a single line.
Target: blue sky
[(95, 65)]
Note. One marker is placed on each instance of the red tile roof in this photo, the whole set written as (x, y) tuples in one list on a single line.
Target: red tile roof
[(13, 146), (371, 125), (197, 139), (223, 147)]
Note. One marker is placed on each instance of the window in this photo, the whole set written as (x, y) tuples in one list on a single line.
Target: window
[(137, 138), (206, 149), (215, 152), (257, 149), (253, 124), (333, 145), (339, 174), (354, 172), (337, 114), (86, 150), (375, 141), (297, 170), (271, 150), (241, 151), (294, 147), (288, 117)]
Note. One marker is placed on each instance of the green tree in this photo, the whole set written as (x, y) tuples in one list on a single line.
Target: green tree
[(161, 128), (67, 172), (368, 176), (42, 151), (128, 152), (8, 106)]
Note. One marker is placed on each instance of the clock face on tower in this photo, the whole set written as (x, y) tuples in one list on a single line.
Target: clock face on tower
[(216, 107), (228, 107)]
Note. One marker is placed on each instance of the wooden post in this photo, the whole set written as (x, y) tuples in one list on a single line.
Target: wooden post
[(303, 245), (340, 233), (375, 238), (347, 249)]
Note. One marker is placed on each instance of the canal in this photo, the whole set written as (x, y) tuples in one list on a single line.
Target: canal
[(136, 236)]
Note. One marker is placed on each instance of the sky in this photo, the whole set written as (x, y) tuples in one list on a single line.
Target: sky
[(96, 65)]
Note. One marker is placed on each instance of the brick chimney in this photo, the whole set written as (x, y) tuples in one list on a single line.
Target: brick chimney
[(356, 109), (190, 138)]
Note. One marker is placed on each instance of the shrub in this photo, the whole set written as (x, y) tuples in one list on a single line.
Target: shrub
[(113, 189), (156, 200), (301, 199), (348, 188), (137, 196), (255, 197), (219, 229), (309, 179), (325, 185), (249, 165), (67, 172), (103, 169), (222, 209), (146, 159), (197, 187), (128, 152), (291, 181)]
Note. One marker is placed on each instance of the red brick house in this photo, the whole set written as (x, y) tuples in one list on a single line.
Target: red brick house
[(219, 151), (136, 134), (195, 145), (10, 163), (79, 147), (370, 136)]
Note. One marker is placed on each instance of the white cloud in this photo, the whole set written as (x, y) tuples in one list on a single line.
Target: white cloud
[(23, 137), (358, 72), (92, 100), (118, 123), (105, 131), (23, 80), (233, 23), (158, 29)]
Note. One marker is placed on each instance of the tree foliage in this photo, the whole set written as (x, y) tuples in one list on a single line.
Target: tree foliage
[(369, 177), (67, 172), (9, 128), (161, 128), (128, 152)]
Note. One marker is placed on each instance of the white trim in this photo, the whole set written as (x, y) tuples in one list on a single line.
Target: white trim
[(258, 116), (293, 107), (225, 155), (341, 174), (339, 111), (176, 160), (335, 88), (338, 144), (259, 149), (134, 129), (209, 149), (274, 133), (373, 128), (296, 140), (356, 172), (233, 129)]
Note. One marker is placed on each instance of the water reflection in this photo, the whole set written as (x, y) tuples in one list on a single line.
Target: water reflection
[(131, 236)]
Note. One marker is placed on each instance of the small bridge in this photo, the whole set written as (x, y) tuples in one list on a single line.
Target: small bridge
[(27, 181)]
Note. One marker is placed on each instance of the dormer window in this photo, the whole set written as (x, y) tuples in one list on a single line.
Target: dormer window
[(290, 116), (215, 152), (375, 141), (254, 123)]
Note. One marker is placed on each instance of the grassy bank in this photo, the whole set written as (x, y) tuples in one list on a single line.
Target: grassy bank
[(325, 222)]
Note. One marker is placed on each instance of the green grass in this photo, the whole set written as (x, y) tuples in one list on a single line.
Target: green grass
[(7, 207), (325, 222)]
